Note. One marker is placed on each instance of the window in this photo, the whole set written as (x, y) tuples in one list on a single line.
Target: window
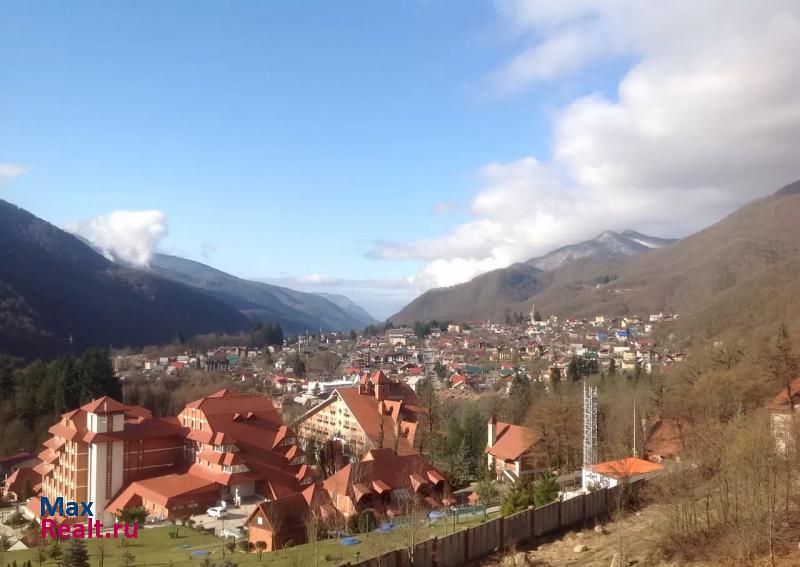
[(260, 521)]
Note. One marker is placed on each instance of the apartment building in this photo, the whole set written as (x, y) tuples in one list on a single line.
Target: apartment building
[(98, 448), (379, 413)]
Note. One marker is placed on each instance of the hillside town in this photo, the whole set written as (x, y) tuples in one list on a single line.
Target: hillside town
[(366, 407)]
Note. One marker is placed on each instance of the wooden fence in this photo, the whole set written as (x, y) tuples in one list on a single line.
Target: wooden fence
[(473, 543)]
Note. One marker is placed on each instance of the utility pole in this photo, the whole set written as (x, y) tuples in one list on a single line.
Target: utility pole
[(634, 429)]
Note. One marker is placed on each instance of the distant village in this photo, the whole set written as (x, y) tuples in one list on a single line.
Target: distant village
[(478, 355)]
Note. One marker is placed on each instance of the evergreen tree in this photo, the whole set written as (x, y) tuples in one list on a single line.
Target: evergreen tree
[(55, 552), (462, 463), (573, 370), (76, 554), (274, 335), (97, 375), (519, 398), (297, 364), (545, 490), (6, 377)]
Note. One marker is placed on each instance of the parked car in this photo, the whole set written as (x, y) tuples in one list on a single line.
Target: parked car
[(217, 512)]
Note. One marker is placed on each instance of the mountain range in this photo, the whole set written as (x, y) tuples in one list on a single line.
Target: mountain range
[(296, 311), (57, 294), (741, 271), (606, 245)]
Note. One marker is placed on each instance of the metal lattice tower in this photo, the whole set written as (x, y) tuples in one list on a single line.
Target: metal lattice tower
[(589, 425)]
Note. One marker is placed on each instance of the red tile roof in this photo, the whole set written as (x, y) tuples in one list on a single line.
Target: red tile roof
[(780, 403), (104, 405), (12, 460), (623, 468), (512, 441), (283, 514), (17, 481), (161, 490), (381, 470)]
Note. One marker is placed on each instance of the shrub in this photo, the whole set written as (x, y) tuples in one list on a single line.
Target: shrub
[(367, 521), (15, 519)]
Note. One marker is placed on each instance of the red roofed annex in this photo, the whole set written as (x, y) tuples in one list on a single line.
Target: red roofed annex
[(387, 482)]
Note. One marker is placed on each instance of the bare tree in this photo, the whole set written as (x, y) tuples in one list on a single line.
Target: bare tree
[(313, 528), (415, 520), (260, 546), (381, 431), (101, 551)]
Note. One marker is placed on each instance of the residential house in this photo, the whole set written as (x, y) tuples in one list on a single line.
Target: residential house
[(784, 411), (511, 450), (285, 522), (278, 524)]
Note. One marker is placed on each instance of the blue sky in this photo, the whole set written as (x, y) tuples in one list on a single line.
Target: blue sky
[(279, 140)]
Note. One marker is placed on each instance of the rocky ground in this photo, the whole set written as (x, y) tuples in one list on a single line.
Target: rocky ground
[(632, 537)]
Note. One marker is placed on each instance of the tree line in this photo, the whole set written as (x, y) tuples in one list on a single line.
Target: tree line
[(33, 397)]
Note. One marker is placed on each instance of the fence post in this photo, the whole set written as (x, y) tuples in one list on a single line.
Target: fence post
[(435, 551), (466, 543), (502, 531), (583, 506), (533, 521)]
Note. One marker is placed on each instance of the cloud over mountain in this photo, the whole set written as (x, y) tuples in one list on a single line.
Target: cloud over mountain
[(132, 236), (704, 116)]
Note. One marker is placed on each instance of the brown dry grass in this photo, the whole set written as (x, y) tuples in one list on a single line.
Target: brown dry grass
[(640, 535)]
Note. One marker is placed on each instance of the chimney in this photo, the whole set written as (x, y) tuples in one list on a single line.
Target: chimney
[(492, 428)]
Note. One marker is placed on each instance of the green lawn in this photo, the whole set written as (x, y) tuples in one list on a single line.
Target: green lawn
[(155, 548)]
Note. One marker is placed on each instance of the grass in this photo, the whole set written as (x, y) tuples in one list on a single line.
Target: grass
[(155, 548)]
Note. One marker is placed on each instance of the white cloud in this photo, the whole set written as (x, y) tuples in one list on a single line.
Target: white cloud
[(707, 119), (11, 170), (131, 236), (562, 53), (313, 279)]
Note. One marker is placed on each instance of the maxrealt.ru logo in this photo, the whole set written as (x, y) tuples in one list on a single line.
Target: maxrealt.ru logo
[(87, 530)]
